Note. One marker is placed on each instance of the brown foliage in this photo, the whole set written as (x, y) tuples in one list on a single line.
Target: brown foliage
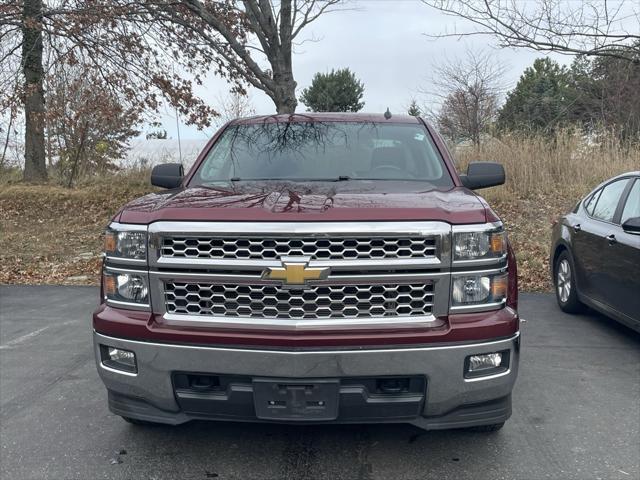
[(87, 126), (259, 29)]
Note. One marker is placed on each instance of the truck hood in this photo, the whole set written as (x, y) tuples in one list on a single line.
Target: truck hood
[(313, 201)]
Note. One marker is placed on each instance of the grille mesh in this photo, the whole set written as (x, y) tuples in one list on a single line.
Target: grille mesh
[(316, 248), (272, 301)]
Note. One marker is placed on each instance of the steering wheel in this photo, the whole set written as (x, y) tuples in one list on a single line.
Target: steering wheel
[(392, 169)]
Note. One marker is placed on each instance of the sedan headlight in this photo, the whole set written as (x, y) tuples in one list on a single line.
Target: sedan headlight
[(128, 287), (126, 244), (479, 289), (480, 245)]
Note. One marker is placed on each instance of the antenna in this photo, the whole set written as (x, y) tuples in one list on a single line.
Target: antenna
[(387, 114), (178, 129), (178, 123)]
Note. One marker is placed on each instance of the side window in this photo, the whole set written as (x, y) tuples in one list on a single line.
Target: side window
[(591, 202), (632, 207), (609, 199)]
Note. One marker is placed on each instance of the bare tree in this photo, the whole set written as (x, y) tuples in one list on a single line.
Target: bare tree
[(234, 105), (88, 128), (609, 28), (469, 91), (272, 30), (134, 54), (136, 45)]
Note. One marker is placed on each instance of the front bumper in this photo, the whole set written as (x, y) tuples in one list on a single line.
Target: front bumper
[(449, 400)]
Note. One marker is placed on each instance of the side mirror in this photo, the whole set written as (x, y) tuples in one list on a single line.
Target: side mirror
[(483, 175), (167, 175), (632, 225)]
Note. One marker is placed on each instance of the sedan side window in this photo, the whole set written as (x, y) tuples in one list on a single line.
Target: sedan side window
[(591, 202), (609, 199), (632, 207)]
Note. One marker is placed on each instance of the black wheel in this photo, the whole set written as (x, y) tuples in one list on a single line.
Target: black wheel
[(565, 285), (488, 428), (135, 421)]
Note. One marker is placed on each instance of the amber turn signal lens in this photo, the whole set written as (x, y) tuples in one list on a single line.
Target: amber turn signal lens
[(109, 285), (110, 241), (499, 285), (497, 243)]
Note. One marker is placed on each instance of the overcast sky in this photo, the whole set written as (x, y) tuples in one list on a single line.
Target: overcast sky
[(383, 42)]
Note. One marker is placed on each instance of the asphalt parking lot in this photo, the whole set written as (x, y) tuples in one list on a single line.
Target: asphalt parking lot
[(576, 412)]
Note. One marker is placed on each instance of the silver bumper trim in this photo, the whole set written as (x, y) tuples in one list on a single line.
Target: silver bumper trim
[(442, 366), (294, 353), (301, 325)]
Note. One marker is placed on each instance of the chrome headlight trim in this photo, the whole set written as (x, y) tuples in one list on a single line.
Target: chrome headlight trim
[(491, 304), (114, 257), (486, 228), (123, 303)]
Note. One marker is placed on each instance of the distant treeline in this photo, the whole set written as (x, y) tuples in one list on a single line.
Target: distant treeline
[(603, 93)]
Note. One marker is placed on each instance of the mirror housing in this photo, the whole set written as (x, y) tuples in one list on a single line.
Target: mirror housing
[(632, 225), (167, 175), (483, 175)]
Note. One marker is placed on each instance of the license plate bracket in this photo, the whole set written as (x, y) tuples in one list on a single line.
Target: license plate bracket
[(296, 400)]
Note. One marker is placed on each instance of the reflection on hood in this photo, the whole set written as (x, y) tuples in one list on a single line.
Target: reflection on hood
[(313, 201)]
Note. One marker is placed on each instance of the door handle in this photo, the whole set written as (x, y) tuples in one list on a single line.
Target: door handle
[(612, 239), (577, 228)]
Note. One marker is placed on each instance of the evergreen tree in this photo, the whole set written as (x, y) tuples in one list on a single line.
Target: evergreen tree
[(606, 94), (541, 100), (414, 109), (591, 94), (338, 91)]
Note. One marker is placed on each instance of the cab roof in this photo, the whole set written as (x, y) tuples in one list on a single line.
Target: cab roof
[(326, 117)]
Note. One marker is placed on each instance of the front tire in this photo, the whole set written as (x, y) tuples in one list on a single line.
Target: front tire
[(565, 284)]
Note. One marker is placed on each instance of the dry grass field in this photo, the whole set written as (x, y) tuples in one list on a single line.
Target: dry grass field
[(545, 178), (50, 234)]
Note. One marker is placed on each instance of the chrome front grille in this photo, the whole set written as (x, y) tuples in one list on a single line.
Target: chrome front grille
[(321, 301), (317, 248), (378, 274)]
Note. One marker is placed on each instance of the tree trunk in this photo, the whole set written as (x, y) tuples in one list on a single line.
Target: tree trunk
[(284, 95), (79, 153), (285, 86), (6, 142), (285, 100), (35, 167)]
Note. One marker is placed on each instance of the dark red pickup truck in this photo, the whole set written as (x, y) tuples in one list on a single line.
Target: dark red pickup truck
[(312, 268)]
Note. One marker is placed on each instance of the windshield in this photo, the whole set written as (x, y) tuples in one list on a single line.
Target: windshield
[(329, 151)]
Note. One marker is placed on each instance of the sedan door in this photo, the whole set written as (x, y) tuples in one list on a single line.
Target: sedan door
[(584, 244), (625, 260), (594, 245)]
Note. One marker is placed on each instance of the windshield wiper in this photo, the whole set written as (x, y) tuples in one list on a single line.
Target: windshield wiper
[(341, 178)]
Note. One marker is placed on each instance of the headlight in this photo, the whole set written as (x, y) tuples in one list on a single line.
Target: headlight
[(479, 289), (126, 244), (126, 287), (479, 245)]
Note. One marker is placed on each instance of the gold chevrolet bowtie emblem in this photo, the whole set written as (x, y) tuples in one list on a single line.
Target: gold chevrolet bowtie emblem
[(295, 271)]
